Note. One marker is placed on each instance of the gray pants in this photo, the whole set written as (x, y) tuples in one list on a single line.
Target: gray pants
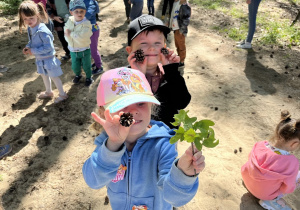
[(252, 9)]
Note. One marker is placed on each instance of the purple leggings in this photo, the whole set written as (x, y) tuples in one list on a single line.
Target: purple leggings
[(94, 49)]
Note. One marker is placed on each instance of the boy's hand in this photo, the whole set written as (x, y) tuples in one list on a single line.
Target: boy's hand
[(170, 58), (116, 132), (188, 162), (67, 32), (248, 1), (137, 65)]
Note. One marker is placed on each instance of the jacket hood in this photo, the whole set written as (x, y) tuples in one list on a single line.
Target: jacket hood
[(266, 167)]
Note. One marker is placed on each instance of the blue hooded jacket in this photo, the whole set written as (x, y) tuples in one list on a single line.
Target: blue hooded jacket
[(151, 176), (92, 8)]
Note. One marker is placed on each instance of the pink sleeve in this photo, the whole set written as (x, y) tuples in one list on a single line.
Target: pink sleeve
[(289, 184)]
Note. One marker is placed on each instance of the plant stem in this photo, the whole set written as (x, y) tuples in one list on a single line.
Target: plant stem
[(193, 155)]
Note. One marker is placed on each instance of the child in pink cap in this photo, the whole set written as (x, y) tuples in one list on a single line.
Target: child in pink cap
[(272, 171), (137, 164)]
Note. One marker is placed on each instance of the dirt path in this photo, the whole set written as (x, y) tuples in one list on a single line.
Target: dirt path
[(242, 91)]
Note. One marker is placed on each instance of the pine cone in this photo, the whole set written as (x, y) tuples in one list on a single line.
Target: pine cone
[(139, 55), (126, 119), (164, 51)]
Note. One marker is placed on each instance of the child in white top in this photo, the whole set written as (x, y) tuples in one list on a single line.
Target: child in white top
[(41, 46)]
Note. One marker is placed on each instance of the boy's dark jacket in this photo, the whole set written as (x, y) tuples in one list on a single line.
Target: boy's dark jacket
[(172, 94)]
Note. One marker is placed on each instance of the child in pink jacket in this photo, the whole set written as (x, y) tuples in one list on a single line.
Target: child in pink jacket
[(271, 171)]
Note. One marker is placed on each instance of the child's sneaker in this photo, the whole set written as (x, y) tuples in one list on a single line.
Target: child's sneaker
[(162, 17), (97, 71), (276, 204), (77, 79), (60, 98), (88, 81), (45, 95), (66, 57), (244, 45), (5, 150)]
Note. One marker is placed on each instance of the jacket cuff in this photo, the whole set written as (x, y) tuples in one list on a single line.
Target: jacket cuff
[(178, 177), (108, 157)]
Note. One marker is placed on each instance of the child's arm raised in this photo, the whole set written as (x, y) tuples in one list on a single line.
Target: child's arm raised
[(116, 132), (178, 188)]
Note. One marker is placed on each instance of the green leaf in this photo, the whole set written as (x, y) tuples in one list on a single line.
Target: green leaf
[(211, 142), (179, 118), (203, 124), (189, 135), (198, 144), (179, 135)]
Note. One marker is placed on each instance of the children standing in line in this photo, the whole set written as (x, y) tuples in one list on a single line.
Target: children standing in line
[(78, 31), (179, 21), (59, 12), (92, 8), (272, 171), (41, 46), (137, 164), (149, 34)]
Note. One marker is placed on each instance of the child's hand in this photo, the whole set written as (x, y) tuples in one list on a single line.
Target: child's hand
[(248, 1), (27, 51), (58, 19), (116, 132), (67, 32), (188, 162), (137, 65), (170, 58)]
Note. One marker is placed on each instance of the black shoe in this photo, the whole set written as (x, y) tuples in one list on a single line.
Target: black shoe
[(66, 57), (97, 71), (181, 64), (88, 82), (76, 79)]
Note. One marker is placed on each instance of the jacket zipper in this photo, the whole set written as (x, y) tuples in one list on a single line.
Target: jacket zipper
[(128, 178)]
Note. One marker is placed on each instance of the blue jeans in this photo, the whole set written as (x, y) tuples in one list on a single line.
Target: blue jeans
[(136, 10), (150, 4), (252, 9)]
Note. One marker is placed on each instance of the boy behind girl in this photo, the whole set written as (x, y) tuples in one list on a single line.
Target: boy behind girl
[(149, 34), (78, 31)]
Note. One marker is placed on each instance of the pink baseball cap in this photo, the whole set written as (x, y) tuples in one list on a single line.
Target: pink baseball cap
[(121, 87)]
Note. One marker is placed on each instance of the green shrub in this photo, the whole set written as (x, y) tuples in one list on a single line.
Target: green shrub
[(9, 6)]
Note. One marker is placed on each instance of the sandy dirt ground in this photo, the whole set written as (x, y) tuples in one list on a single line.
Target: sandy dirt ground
[(242, 91)]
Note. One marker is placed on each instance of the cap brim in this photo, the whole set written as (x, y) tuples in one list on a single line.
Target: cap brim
[(123, 102), (166, 30)]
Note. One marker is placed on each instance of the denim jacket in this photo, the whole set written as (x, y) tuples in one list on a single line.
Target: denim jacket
[(40, 41)]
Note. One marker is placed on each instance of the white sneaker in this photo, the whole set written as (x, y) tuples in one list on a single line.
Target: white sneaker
[(276, 204), (244, 45)]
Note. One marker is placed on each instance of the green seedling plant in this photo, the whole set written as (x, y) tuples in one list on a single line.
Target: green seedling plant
[(198, 132)]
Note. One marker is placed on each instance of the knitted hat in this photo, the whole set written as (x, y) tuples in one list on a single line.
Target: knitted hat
[(143, 23), (76, 4), (121, 87)]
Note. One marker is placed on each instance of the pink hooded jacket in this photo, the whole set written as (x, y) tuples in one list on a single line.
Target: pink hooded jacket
[(267, 174)]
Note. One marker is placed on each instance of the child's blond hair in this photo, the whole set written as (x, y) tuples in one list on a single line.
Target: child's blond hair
[(29, 8)]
